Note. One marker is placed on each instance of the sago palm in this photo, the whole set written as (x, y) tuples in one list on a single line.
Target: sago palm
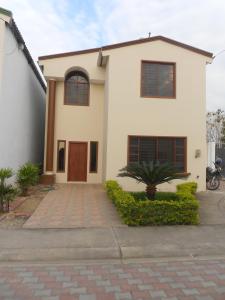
[(27, 175), (150, 173)]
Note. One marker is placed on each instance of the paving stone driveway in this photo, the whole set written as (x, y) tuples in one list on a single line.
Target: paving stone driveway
[(75, 205), (174, 280)]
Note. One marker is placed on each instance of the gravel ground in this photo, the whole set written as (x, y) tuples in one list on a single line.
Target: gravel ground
[(222, 185), (18, 217)]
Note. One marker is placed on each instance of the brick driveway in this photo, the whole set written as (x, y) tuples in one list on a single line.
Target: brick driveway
[(75, 205), (178, 280)]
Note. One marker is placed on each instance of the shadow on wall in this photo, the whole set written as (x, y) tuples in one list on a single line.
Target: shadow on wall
[(37, 122)]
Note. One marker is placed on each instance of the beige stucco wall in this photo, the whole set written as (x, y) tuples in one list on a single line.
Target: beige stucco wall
[(129, 114), (117, 110), (81, 124), (58, 67), (77, 123), (105, 122)]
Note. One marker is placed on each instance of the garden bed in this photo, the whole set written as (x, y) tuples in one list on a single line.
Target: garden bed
[(167, 208), (23, 207)]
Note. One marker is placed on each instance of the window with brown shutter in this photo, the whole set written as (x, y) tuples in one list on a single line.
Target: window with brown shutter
[(163, 149), (158, 79)]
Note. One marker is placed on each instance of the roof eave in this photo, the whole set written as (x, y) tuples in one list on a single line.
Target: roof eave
[(15, 31), (5, 12), (130, 43)]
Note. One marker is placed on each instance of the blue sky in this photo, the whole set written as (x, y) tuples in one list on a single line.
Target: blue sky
[(53, 26)]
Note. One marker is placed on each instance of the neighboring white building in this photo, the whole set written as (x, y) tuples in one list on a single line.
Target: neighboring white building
[(22, 99)]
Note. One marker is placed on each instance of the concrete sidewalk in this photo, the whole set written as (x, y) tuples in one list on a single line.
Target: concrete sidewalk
[(121, 242), (111, 243), (212, 207)]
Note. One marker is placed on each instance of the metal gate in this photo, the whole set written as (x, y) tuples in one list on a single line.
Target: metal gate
[(220, 152)]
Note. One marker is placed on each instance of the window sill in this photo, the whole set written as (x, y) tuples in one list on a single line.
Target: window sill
[(184, 174), (158, 97), (71, 104)]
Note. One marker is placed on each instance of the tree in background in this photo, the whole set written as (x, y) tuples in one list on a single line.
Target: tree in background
[(215, 124)]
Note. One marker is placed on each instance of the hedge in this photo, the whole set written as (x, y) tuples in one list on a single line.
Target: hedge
[(180, 208)]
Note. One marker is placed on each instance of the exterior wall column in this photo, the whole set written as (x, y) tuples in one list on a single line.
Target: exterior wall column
[(50, 126)]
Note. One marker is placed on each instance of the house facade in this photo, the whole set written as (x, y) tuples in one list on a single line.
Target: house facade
[(135, 101), (22, 99)]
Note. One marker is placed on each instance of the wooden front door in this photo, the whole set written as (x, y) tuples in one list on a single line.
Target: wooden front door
[(77, 162)]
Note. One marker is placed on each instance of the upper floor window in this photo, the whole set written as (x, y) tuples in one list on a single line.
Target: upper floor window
[(158, 80), (77, 88)]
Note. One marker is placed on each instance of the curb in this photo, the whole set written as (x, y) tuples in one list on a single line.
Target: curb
[(54, 254), (110, 253)]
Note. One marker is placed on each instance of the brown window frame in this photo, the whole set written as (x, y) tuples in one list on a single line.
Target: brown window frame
[(184, 172), (74, 104), (58, 142), (97, 148), (174, 77)]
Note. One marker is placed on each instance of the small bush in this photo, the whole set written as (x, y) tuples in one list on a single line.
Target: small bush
[(139, 196), (27, 176), (187, 187), (7, 191), (169, 196), (166, 209)]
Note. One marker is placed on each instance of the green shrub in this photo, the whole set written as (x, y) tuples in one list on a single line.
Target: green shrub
[(139, 196), (7, 191), (27, 176), (175, 208), (112, 187), (169, 196), (189, 186), (185, 196)]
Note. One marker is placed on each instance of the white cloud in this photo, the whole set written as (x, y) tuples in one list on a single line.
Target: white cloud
[(64, 25), (47, 29), (199, 23)]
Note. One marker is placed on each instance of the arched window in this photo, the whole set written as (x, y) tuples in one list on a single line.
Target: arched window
[(76, 88)]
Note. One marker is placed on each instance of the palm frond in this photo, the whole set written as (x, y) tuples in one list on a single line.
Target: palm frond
[(151, 172)]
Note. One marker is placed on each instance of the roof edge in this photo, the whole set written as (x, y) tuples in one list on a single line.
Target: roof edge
[(11, 24), (64, 54), (5, 12), (130, 43), (18, 36)]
